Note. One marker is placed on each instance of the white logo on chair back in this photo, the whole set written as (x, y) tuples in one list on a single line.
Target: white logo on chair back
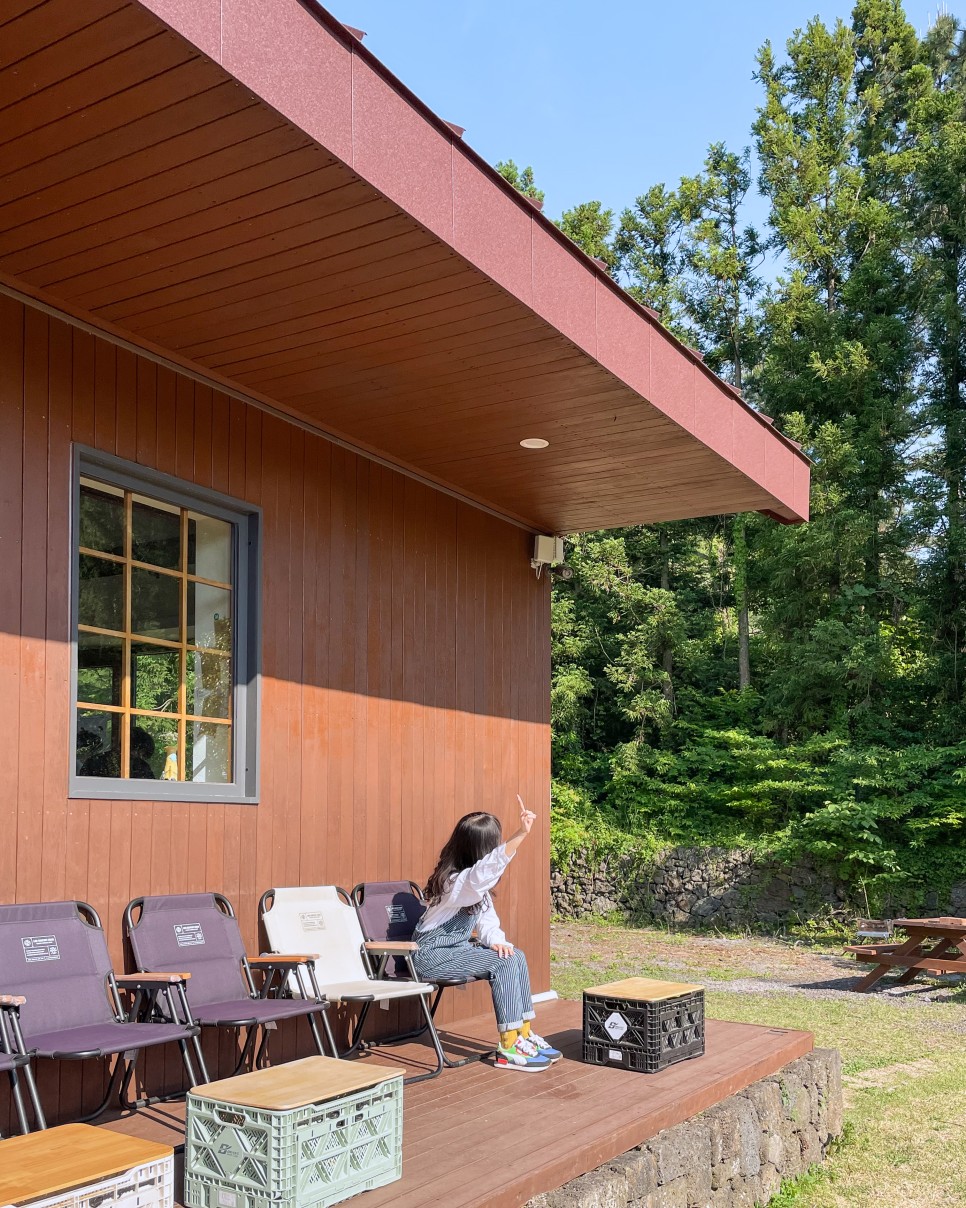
[(397, 914), (312, 920), (40, 948), (188, 935), (615, 1025)]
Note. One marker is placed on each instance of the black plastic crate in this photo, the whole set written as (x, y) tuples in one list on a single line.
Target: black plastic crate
[(642, 1034)]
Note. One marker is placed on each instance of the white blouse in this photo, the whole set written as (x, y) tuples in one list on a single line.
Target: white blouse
[(468, 887)]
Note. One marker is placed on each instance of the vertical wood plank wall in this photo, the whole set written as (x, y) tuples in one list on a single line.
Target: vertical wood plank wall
[(405, 662)]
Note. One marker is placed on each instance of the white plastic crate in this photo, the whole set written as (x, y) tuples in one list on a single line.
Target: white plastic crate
[(308, 1157), (150, 1185)]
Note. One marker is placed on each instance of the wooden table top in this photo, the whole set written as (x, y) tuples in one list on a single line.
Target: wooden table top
[(642, 989), (73, 1155), (297, 1083), (937, 925)]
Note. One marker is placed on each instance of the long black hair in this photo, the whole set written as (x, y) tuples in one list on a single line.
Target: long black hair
[(473, 837)]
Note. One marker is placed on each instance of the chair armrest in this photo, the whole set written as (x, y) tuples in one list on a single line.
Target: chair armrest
[(393, 947), (276, 960), (12, 1000), (131, 981)]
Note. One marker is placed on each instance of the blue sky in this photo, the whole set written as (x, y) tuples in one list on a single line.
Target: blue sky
[(603, 99)]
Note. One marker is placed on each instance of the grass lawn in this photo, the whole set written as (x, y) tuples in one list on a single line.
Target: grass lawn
[(903, 1050)]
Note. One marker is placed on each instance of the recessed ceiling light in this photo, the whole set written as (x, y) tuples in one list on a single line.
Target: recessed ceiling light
[(534, 442)]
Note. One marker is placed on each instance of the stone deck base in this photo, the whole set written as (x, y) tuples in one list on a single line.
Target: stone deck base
[(735, 1154)]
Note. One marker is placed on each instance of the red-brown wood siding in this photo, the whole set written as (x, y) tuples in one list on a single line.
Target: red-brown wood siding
[(405, 661)]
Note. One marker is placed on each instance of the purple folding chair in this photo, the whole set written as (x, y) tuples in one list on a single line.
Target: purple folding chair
[(54, 955), (198, 932), (15, 1060), (388, 913)]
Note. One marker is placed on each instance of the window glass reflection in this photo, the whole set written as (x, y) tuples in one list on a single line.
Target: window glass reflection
[(100, 668), (156, 604), (102, 518), (100, 593), (155, 533)]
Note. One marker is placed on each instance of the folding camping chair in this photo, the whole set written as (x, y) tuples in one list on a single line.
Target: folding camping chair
[(388, 912), (198, 932), (14, 1060), (322, 917), (54, 956)]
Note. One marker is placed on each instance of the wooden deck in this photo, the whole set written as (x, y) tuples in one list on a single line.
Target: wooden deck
[(547, 1128)]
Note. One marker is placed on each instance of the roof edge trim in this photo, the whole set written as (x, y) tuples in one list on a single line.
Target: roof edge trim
[(334, 26)]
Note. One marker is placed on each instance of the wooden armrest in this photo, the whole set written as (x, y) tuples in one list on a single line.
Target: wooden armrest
[(267, 959), (399, 947), (12, 1000), (151, 979)]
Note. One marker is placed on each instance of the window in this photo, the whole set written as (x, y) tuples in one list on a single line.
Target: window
[(165, 667)]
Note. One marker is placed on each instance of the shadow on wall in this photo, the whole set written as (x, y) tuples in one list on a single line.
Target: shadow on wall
[(372, 583)]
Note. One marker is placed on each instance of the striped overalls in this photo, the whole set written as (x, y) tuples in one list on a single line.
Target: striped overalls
[(446, 951)]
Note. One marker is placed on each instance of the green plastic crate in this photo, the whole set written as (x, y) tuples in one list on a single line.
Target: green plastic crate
[(244, 1157)]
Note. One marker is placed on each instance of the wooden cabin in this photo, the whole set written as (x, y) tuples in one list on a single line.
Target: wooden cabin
[(273, 343)]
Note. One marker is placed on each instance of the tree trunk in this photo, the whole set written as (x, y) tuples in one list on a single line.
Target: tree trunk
[(667, 655), (953, 419), (740, 555)]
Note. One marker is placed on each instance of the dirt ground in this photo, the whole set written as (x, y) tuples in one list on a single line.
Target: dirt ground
[(738, 965)]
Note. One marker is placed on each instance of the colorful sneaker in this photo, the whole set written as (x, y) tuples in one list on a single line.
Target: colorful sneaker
[(543, 1048), (522, 1056)]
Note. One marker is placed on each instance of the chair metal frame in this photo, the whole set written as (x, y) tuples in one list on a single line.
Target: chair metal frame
[(147, 995), (442, 984), (269, 967), (12, 1046), (384, 951)]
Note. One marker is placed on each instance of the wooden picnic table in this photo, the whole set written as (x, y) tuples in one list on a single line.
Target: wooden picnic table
[(933, 945)]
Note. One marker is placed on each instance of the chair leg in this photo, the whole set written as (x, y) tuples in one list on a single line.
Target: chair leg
[(120, 1076), (262, 1053), (18, 1101), (447, 1061), (357, 1041), (422, 1029), (28, 1074), (313, 1024), (441, 1060), (200, 1057), (247, 1049), (329, 1036)]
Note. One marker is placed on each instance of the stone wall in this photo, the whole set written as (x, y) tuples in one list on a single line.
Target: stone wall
[(709, 886), (734, 1155)]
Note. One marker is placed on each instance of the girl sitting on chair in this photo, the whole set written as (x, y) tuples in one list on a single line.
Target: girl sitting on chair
[(458, 892)]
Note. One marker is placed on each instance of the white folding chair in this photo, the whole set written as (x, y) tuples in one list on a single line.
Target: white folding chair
[(321, 920)]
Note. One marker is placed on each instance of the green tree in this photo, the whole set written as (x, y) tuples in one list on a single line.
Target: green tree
[(649, 245), (937, 203), (841, 351), (522, 179), (591, 227)]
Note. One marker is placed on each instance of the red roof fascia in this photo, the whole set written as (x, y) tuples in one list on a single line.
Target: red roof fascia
[(336, 90)]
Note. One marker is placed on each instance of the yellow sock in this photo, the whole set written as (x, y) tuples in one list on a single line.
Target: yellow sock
[(525, 1030), (508, 1039)]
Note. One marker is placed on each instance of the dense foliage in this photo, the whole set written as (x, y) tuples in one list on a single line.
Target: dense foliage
[(802, 688)]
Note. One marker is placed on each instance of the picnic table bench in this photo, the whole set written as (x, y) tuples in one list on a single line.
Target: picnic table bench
[(933, 945)]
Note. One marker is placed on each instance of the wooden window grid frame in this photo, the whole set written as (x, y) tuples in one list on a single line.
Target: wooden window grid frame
[(245, 646)]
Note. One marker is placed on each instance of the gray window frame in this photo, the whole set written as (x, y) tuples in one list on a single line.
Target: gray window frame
[(246, 520)]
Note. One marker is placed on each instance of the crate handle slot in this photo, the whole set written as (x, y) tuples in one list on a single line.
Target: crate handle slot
[(227, 1117)]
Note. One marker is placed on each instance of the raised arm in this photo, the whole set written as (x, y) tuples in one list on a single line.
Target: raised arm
[(527, 819)]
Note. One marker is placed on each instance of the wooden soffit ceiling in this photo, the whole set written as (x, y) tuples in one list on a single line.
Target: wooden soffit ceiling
[(242, 186)]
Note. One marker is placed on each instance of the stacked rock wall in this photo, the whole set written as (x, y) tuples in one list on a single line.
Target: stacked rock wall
[(708, 886), (736, 1154)]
